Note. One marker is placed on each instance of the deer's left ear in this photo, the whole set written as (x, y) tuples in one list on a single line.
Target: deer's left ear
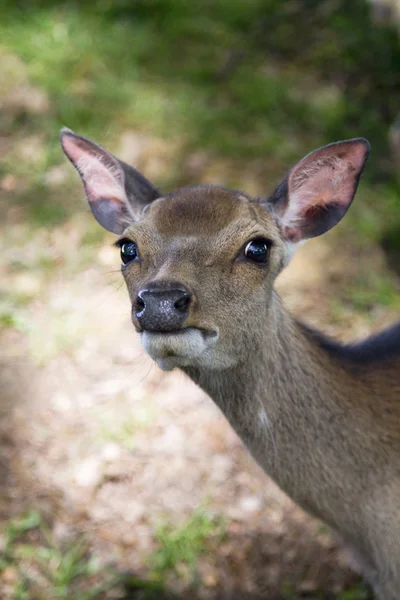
[(319, 189)]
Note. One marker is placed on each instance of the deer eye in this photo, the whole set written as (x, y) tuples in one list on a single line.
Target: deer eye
[(128, 251), (257, 250)]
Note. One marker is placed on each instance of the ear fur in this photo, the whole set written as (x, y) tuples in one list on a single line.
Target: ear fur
[(116, 192), (319, 189)]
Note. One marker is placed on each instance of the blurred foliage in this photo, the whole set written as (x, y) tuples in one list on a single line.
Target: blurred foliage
[(250, 79), (263, 77)]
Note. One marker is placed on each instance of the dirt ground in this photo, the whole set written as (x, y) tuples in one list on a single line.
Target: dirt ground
[(103, 444)]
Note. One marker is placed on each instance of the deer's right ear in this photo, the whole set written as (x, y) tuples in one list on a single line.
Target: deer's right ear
[(319, 189), (116, 192)]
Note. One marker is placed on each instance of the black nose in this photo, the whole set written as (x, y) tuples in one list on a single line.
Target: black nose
[(162, 310)]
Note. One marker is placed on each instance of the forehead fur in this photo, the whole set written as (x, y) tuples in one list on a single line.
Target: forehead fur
[(193, 210)]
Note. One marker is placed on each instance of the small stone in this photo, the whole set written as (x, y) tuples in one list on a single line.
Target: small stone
[(111, 387), (111, 452), (61, 402), (26, 284), (88, 472), (308, 586), (171, 440), (210, 580), (250, 504), (62, 532), (8, 183)]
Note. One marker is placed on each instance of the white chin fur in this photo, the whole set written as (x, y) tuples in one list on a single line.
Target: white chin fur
[(181, 349)]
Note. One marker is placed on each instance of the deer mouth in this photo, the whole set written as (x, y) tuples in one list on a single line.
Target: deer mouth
[(178, 348), (206, 333)]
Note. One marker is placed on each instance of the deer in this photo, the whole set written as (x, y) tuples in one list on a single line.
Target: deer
[(321, 417)]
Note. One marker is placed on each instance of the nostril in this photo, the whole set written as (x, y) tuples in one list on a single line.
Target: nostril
[(139, 304), (182, 304)]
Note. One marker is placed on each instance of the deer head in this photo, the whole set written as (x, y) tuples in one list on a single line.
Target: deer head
[(200, 262)]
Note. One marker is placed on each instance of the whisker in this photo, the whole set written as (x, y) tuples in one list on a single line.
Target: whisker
[(148, 372)]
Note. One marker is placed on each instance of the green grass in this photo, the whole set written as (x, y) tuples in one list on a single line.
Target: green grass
[(365, 293), (41, 568), (361, 296), (375, 214), (122, 433), (9, 316), (357, 593), (180, 546)]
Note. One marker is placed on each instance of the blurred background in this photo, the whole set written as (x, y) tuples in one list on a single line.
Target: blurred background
[(117, 481)]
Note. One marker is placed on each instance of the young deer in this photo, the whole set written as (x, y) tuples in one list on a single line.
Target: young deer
[(321, 418)]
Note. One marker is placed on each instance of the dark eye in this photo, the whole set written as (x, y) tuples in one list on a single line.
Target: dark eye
[(128, 251), (257, 250)]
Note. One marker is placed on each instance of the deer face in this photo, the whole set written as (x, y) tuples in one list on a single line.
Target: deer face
[(200, 262), (201, 273)]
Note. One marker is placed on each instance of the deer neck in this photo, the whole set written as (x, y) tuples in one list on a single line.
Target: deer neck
[(284, 402), (281, 371)]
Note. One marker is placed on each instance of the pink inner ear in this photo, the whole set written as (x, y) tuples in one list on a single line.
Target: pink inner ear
[(103, 178), (327, 176)]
